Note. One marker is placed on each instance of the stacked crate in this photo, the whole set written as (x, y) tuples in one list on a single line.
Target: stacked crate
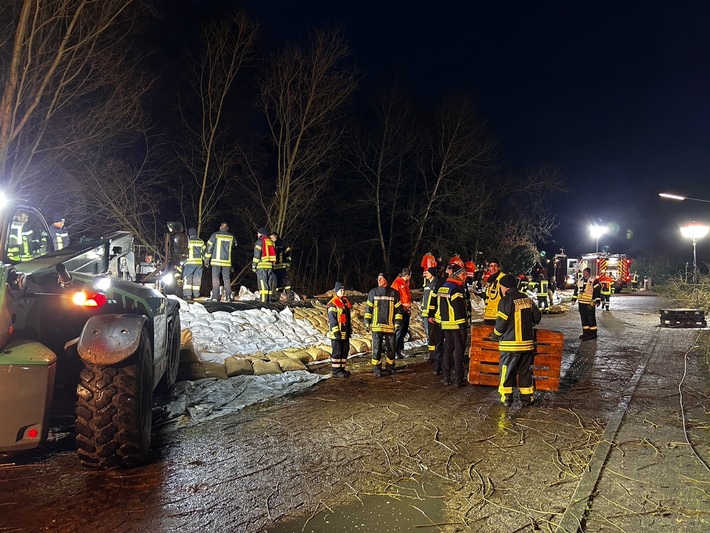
[(485, 356)]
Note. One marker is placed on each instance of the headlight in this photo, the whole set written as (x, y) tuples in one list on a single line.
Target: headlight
[(103, 284)]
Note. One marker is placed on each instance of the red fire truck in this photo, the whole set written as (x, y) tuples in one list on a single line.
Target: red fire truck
[(618, 266)]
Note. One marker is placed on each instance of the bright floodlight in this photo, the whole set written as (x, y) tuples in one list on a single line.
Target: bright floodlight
[(597, 231), (694, 231), (671, 196)]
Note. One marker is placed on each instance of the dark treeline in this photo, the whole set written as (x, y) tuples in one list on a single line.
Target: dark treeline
[(125, 114)]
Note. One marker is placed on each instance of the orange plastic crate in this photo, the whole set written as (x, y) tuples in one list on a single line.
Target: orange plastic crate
[(485, 357)]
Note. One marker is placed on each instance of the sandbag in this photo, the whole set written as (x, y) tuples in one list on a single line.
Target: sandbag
[(191, 372), (188, 355), (262, 368), (299, 354), (289, 365), (186, 337), (317, 354), (238, 366), (215, 370)]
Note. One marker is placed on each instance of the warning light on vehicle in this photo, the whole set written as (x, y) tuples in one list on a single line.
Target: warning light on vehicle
[(32, 433), (94, 299)]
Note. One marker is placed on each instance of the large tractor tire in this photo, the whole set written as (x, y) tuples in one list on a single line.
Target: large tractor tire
[(173, 354), (114, 411)]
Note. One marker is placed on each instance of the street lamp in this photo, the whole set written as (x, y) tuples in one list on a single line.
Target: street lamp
[(680, 198), (597, 231), (694, 231)]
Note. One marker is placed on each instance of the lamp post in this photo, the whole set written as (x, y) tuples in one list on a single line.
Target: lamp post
[(694, 231), (597, 231), (680, 198)]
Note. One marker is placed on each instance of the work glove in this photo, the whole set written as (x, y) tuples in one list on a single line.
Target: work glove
[(494, 337), (253, 269), (208, 263)]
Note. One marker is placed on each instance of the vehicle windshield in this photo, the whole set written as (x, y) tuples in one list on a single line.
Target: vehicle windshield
[(28, 236)]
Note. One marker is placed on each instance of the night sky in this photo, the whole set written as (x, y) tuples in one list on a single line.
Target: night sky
[(613, 94)]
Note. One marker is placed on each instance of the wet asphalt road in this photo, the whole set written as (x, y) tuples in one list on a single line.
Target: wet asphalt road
[(418, 454)]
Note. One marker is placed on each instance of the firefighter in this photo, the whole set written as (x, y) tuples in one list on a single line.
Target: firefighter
[(339, 330), (58, 233), (451, 315), (435, 338), (492, 292), (543, 293), (456, 260), (20, 238), (635, 282), (383, 315), (607, 287), (263, 264), (588, 294), (192, 274), (281, 268), (517, 316), (401, 285), (218, 255)]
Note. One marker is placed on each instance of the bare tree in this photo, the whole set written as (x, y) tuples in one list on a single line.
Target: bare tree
[(69, 85), (302, 96), (453, 162), (212, 154), (382, 157)]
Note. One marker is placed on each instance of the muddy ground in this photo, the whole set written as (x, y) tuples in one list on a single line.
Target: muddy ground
[(623, 446)]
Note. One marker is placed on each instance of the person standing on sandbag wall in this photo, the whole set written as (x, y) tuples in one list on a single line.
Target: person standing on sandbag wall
[(263, 264), (339, 330), (383, 315), (192, 274), (218, 255)]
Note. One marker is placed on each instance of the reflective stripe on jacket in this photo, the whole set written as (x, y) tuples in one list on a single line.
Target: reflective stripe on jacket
[(587, 291), (195, 252), (384, 310), (219, 248), (451, 305), (492, 297), (517, 316), (339, 324)]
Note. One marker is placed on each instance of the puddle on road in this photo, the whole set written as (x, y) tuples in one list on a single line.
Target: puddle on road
[(416, 506)]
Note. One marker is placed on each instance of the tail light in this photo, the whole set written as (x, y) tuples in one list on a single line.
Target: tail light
[(91, 299)]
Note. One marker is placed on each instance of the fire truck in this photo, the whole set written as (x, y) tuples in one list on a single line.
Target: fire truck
[(618, 266)]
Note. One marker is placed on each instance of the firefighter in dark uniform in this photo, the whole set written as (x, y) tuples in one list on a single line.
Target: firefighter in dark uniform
[(383, 315), (587, 292), (263, 264), (192, 273), (517, 316), (492, 292), (451, 314), (543, 291), (435, 338), (281, 268), (339, 330), (58, 233), (218, 255)]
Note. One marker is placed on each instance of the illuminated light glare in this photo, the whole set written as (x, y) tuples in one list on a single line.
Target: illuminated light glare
[(79, 298), (3, 199), (168, 278), (32, 433), (96, 299), (671, 196), (103, 284)]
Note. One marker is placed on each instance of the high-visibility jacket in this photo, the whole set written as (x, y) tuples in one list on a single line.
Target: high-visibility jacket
[(429, 297), (60, 237), (492, 297), (195, 251), (384, 310), (451, 305), (607, 286), (544, 287), (516, 318), (588, 291), (18, 248), (339, 319), (428, 261), (405, 294), (219, 248), (264, 254)]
